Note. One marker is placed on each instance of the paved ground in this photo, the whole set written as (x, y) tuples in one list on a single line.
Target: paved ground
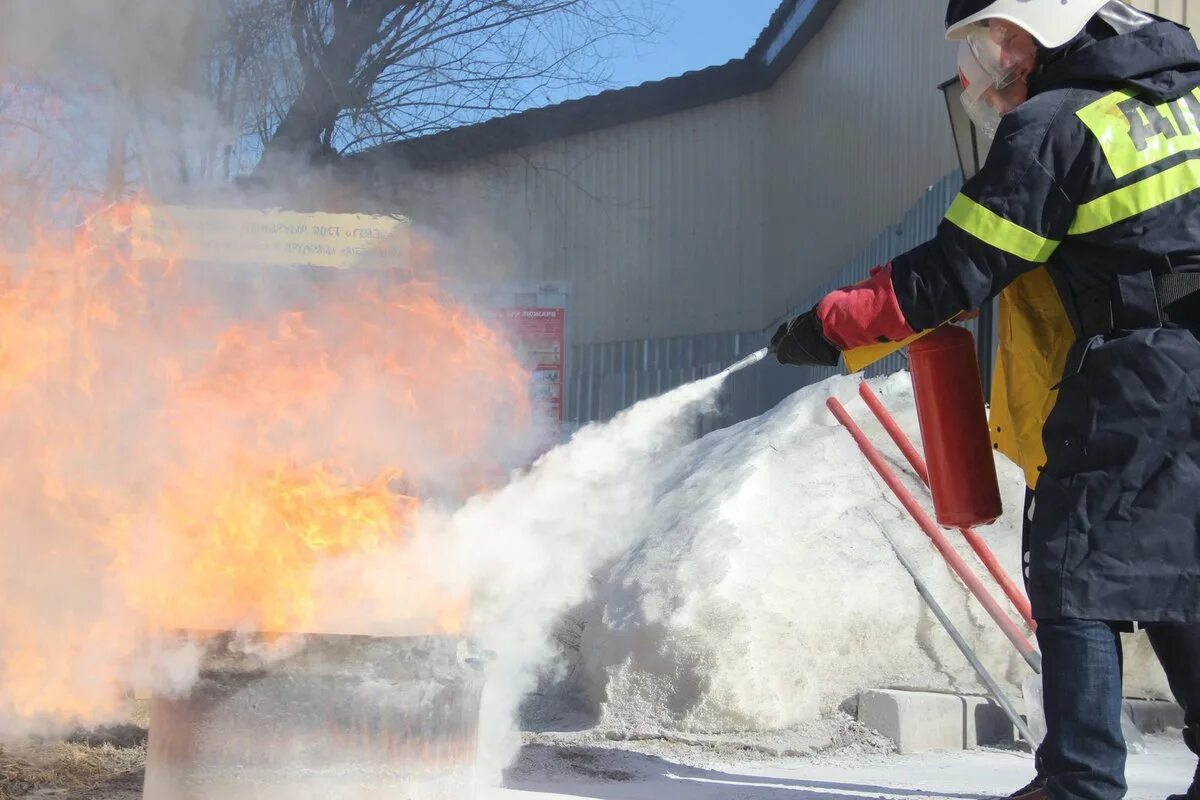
[(550, 772), (973, 775)]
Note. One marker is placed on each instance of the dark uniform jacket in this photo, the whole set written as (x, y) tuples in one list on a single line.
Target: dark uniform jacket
[(1097, 177)]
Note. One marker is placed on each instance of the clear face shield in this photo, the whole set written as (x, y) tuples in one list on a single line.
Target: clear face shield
[(994, 58)]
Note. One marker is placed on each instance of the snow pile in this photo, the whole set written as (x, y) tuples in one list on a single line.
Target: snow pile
[(527, 552), (757, 592)]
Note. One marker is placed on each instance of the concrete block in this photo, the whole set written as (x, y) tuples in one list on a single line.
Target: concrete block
[(985, 724), (920, 721), (1155, 716), (916, 722)]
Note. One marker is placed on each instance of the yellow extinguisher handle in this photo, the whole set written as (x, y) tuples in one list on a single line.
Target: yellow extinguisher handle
[(860, 358)]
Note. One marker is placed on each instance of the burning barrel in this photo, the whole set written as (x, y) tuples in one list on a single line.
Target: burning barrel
[(342, 717)]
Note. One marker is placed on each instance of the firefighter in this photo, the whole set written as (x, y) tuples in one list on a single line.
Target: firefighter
[(1085, 220)]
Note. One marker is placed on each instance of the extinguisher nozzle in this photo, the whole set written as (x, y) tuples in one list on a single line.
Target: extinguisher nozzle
[(753, 358)]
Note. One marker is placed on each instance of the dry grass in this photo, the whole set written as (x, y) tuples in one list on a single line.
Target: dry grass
[(74, 770)]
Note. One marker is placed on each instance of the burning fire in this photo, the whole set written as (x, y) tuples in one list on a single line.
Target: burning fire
[(168, 464)]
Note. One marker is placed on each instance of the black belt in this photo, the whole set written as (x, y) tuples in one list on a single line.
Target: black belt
[(1125, 304)]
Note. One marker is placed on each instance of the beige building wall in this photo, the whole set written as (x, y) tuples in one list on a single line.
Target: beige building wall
[(858, 133), (1185, 11), (657, 225)]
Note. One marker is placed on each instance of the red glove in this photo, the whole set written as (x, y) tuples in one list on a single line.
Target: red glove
[(865, 313)]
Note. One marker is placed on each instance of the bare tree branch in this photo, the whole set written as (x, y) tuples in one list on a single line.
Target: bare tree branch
[(239, 85), (378, 70)]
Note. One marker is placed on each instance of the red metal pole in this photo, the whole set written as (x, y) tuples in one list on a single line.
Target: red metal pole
[(953, 559), (898, 436), (1011, 590)]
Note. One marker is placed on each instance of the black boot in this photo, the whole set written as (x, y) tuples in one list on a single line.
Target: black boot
[(1177, 646), (1034, 790)]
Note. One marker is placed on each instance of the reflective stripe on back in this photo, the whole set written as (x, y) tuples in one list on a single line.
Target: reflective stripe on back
[(1136, 198), (1134, 134)]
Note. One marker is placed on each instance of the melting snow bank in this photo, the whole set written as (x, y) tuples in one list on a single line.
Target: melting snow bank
[(529, 550), (757, 593), (722, 587)]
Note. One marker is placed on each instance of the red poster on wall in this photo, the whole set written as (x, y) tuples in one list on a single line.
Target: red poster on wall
[(540, 335)]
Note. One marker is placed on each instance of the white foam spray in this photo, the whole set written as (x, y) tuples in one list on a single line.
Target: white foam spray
[(532, 550)]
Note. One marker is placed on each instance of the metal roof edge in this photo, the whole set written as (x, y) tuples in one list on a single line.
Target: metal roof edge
[(793, 25)]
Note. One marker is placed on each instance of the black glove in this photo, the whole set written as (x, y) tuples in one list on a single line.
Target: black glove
[(801, 343)]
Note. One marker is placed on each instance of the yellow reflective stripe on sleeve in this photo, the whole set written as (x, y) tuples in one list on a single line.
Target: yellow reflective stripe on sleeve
[(993, 229), (1136, 198)]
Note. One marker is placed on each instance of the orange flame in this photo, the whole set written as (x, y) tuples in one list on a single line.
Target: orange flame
[(168, 464)]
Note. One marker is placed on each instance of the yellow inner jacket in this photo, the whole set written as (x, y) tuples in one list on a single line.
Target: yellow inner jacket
[(1034, 335)]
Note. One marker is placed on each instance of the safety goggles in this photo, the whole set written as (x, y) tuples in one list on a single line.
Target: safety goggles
[(993, 60)]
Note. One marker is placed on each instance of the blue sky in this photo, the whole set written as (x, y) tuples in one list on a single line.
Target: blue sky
[(693, 34), (696, 34)]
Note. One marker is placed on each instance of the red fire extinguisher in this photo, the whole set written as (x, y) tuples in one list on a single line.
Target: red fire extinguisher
[(954, 428)]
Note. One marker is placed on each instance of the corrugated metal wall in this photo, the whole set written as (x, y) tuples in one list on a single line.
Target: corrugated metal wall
[(656, 225), (918, 225), (605, 378)]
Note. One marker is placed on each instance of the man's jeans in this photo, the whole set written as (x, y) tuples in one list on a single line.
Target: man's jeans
[(1083, 754)]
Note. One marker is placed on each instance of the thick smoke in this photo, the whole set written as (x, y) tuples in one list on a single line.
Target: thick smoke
[(188, 450), (529, 552), (111, 97), (128, 40), (167, 467)]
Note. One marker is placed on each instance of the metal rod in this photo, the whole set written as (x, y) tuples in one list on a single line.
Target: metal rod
[(992, 686), (953, 559), (985, 554)]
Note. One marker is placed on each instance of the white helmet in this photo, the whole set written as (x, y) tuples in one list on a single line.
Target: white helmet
[(995, 57), (1051, 22)]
